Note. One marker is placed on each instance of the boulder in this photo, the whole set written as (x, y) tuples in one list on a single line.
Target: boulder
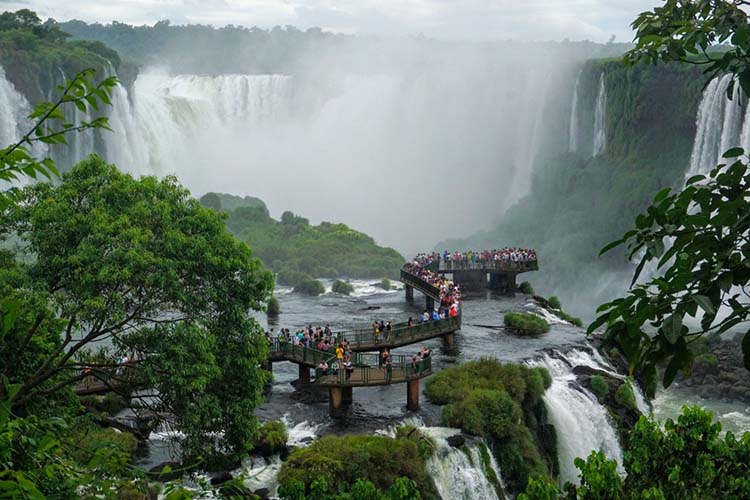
[(221, 478), (456, 440)]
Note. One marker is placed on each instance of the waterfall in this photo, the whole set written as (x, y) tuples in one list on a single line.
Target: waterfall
[(468, 473), (14, 109), (582, 423), (600, 134), (573, 130), (719, 126)]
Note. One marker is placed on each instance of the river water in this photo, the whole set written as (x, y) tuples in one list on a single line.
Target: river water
[(582, 423)]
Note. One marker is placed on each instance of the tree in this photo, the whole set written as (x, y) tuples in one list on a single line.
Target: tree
[(698, 239), (143, 267)]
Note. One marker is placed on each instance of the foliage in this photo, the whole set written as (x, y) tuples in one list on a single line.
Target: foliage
[(310, 287), (600, 387), (697, 238), (625, 396), (500, 402), (402, 489), (539, 488), (684, 459), (385, 284), (525, 323), (298, 251), (34, 54), (526, 288), (554, 302), (273, 308), (112, 254), (707, 362), (272, 438), (342, 287), (339, 462)]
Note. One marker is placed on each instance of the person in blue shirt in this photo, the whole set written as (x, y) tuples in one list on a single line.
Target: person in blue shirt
[(435, 315)]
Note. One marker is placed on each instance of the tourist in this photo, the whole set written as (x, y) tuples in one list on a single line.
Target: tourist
[(425, 316), (410, 323), (348, 367), (388, 330), (339, 352)]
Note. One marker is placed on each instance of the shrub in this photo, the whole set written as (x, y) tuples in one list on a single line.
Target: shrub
[(342, 460), (554, 302), (526, 288), (385, 284), (273, 308), (489, 413), (342, 287), (526, 323), (571, 319), (600, 387), (625, 396), (310, 287), (272, 438), (707, 361)]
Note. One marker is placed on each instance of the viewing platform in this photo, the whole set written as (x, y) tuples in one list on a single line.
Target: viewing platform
[(365, 371), (497, 275)]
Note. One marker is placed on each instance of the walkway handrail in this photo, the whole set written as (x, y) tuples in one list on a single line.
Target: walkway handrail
[(411, 370), (421, 285), (489, 265), (400, 331)]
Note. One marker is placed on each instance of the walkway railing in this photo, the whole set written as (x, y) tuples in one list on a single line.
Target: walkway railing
[(489, 265), (416, 282), (401, 332), (365, 371)]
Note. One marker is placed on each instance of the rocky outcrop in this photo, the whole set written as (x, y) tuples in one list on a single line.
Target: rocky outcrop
[(719, 373)]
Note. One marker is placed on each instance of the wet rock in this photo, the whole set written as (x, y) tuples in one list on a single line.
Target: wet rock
[(456, 441), (221, 478), (263, 493)]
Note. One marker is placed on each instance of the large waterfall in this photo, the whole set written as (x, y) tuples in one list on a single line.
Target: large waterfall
[(581, 422), (573, 127), (600, 119), (721, 124)]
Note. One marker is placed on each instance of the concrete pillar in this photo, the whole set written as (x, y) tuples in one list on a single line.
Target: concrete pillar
[(448, 339), (346, 395), (335, 401), (412, 395), (409, 292), (304, 374), (429, 304)]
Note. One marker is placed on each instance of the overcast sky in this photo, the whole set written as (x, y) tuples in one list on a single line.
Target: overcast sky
[(595, 20)]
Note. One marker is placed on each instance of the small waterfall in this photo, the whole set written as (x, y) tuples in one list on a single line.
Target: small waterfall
[(14, 109), (462, 473), (600, 134), (573, 130), (719, 126), (582, 423)]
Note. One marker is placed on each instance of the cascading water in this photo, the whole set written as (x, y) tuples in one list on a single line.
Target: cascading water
[(470, 474), (581, 422), (600, 134), (14, 109), (719, 126), (573, 128)]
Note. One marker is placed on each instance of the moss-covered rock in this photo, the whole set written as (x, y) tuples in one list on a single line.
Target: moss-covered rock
[(342, 287), (272, 438), (525, 323)]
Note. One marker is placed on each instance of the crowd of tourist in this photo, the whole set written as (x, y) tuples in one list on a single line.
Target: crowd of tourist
[(487, 258), (450, 293)]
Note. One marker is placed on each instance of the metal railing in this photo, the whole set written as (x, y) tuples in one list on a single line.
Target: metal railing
[(415, 281), (400, 333), (366, 372), (489, 265)]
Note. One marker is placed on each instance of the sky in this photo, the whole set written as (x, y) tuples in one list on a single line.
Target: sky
[(595, 20)]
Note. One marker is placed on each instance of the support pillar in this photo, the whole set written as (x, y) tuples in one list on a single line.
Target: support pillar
[(429, 304), (335, 401), (409, 292), (304, 374), (346, 395), (412, 395), (448, 339)]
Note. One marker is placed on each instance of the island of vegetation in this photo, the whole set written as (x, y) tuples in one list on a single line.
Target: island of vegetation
[(300, 252)]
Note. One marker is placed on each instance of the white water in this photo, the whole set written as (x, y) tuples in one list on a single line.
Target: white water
[(14, 122), (720, 125), (456, 474), (581, 422), (600, 119), (573, 129)]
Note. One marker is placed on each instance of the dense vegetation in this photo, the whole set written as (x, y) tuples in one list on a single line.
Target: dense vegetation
[(525, 323), (298, 251), (502, 403), (684, 459), (337, 463), (342, 287), (34, 54)]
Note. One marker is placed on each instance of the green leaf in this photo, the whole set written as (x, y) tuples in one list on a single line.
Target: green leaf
[(672, 327), (733, 153), (611, 246), (704, 303)]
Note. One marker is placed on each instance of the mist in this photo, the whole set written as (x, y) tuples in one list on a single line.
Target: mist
[(407, 140)]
